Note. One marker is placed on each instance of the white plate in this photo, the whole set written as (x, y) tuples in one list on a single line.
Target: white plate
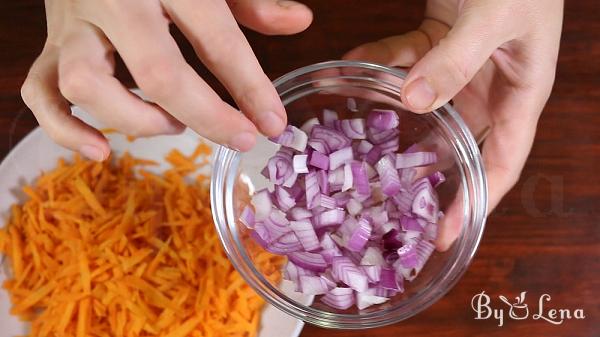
[(37, 153)]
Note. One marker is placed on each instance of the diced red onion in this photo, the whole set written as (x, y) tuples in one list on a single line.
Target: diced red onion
[(312, 190), (310, 261), (283, 199), (319, 160), (247, 217), (323, 180), (397, 216), (285, 244), (339, 298), (313, 285), (425, 203), (383, 119), (305, 232), (354, 128), (327, 201), (360, 236), (292, 137), (436, 178), (340, 157), (327, 140), (410, 224), (280, 167), (373, 155), (372, 257), (262, 203), (330, 217), (364, 147), (354, 207), (348, 177), (388, 279), (351, 104), (299, 213), (329, 116), (378, 137), (360, 177), (415, 159), (407, 255), (308, 125), (373, 273), (299, 163), (348, 273), (390, 181), (365, 300)]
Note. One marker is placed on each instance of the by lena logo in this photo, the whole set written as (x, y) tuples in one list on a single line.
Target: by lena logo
[(519, 309)]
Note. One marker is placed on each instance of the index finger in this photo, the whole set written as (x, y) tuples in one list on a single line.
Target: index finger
[(222, 47)]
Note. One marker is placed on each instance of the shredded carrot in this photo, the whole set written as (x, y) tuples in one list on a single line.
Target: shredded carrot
[(107, 249)]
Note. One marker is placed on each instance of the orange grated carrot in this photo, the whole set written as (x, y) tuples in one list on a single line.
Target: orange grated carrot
[(108, 249)]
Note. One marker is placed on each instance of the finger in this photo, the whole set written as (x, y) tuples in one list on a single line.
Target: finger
[(222, 47), (40, 93), (272, 17), (85, 78), (504, 154), (140, 33), (452, 63)]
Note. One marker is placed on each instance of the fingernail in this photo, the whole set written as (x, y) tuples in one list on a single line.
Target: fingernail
[(271, 122), (243, 141), (287, 3), (92, 152), (419, 94)]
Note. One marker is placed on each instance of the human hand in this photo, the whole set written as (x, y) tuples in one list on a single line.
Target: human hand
[(496, 60), (77, 64)]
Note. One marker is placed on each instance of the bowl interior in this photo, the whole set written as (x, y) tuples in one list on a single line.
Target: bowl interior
[(306, 96)]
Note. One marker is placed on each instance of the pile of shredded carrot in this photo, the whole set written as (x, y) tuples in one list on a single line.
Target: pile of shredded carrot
[(110, 250)]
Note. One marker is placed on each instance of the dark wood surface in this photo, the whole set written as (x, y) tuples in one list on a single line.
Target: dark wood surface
[(543, 238)]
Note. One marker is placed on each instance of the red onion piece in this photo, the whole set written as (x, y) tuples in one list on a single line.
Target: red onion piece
[(262, 203), (312, 190), (319, 160), (327, 140), (339, 298), (348, 177), (299, 163), (360, 236), (283, 199), (348, 273), (436, 178), (308, 125), (299, 213), (313, 285), (360, 177), (353, 128), (415, 159), (390, 181), (329, 116), (247, 217), (365, 300), (340, 157), (285, 244), (305, 232), (383, 119), (310, 261)]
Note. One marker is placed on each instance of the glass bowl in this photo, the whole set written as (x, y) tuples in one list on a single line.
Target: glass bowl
[(305, 92)]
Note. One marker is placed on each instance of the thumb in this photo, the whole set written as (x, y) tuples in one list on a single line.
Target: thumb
[(451, 64)]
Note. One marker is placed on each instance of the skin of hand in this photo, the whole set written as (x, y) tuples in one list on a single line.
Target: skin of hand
[(76, 65), (496, 60)]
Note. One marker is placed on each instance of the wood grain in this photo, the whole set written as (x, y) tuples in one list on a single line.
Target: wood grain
[(545, 235)]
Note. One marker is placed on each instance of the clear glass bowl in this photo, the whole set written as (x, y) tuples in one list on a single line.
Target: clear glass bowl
[(305, 93)]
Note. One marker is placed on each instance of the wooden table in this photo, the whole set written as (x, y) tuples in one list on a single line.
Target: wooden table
[(543, 238)]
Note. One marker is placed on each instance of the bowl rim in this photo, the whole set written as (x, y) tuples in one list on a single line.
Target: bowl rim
[(229, 159)]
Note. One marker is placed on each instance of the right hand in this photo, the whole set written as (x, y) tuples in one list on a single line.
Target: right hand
[(77, 64)]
